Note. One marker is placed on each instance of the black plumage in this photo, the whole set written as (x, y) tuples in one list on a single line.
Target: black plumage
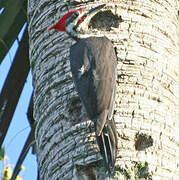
[(93, 66)]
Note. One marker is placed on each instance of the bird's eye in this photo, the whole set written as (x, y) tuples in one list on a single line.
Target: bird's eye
[(73, 16)]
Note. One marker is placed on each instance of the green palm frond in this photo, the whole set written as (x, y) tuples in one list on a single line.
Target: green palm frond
[(12, 20)]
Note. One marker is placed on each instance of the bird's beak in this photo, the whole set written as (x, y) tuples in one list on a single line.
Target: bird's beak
[(95, 10), (86, 17)]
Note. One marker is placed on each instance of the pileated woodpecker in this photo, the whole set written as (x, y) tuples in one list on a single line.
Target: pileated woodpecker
[(93, 66)]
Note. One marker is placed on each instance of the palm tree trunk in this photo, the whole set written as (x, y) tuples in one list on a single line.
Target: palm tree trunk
[(147, 103)]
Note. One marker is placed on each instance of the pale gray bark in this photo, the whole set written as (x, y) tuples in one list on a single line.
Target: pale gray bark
[(147, 101)]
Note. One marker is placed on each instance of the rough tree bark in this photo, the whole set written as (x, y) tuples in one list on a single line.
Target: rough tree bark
[(144, 33)]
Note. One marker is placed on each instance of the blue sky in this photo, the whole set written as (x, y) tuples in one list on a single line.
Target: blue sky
[(19, 128)]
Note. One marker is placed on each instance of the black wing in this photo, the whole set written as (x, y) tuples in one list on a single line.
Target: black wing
[(93, 66)]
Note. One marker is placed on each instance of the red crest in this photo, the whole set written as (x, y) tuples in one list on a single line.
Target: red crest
[(61, 24)]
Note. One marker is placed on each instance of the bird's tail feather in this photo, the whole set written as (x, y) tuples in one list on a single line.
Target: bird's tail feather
[(107, 142)]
